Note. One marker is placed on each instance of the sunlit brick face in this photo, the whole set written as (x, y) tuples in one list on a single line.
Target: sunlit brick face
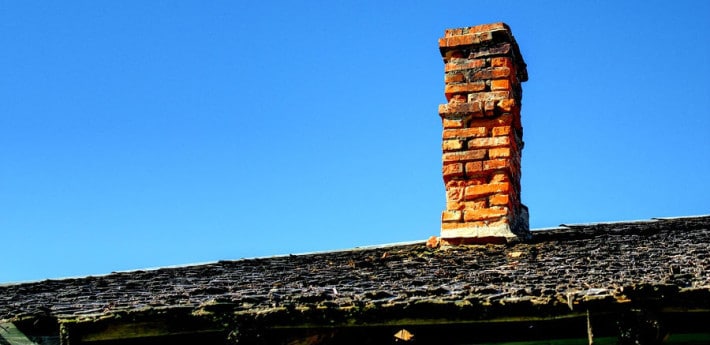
[(482, 135)]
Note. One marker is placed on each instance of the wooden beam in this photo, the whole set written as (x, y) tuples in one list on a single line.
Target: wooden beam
[(9, 334), (147, 329)]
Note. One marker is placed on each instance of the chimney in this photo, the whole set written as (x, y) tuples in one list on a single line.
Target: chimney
[(482, 136)]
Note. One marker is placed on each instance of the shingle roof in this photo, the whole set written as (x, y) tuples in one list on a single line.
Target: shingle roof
[(558, 271)]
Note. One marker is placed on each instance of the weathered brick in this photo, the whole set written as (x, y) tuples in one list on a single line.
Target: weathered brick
[(484, 213), (464, 156), (507, 104), (465, 40), (499, 200), (500, 84), (451, 54), (463, 64), (500, 177), (500, 72), (501, 120), (452, 145), (472, 224), (470, 204), (451, 226), (452, 123), (473, 192), (473, 169), (451, 171), (483, 74), (468, 182), (489, 107), (453, 32), (473, 132), (486, 27), (501, 62), (487, 96), (465, 87), (498, 49), (432, 242), (454, 193), (501, 130), (451, 216), (475, 204), (454, 78), (489, 142), (456, 98), (499, 152), (471, 108), (498, 163)]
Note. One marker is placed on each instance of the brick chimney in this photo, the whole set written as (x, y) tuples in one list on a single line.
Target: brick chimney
[(482, 136)]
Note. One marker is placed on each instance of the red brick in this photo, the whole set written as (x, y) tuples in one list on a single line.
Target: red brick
[(432, 242), (473, 168), (466, 39), (452, 123), (454, 78), (484, 214), (465, 87), (462, 64), (451, 145), (500, 72), (502, 120), (501, 130), (486, 27), (461, 40), (467, 182), (507, 104), (471, 108), (499, 152), (498, 49), (454, 194), (450, 171), (452, 54), (500, 84), (500, 177), (486, 96), (499, 163), (473, 132), (475, 204), (474, 224), (453, 32), (451, 226), (473, 192), (501, 62), (451, 216), (491, 73), (489, 107), (463, 156), (499, 200), (456, 98), (489, 142)]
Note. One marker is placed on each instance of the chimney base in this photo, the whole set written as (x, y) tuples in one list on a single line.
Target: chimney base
[(502, 231)]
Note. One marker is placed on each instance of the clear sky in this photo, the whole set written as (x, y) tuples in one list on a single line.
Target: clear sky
[(138, 134)]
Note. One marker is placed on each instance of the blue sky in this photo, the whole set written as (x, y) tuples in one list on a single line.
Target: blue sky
[(139, 134)]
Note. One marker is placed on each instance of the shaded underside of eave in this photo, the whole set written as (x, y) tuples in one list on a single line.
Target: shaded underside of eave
[(678, 310)]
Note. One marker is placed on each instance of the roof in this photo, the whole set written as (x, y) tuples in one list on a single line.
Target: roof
[(559, 272)]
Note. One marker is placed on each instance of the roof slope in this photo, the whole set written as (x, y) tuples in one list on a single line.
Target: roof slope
[(557, 272)]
